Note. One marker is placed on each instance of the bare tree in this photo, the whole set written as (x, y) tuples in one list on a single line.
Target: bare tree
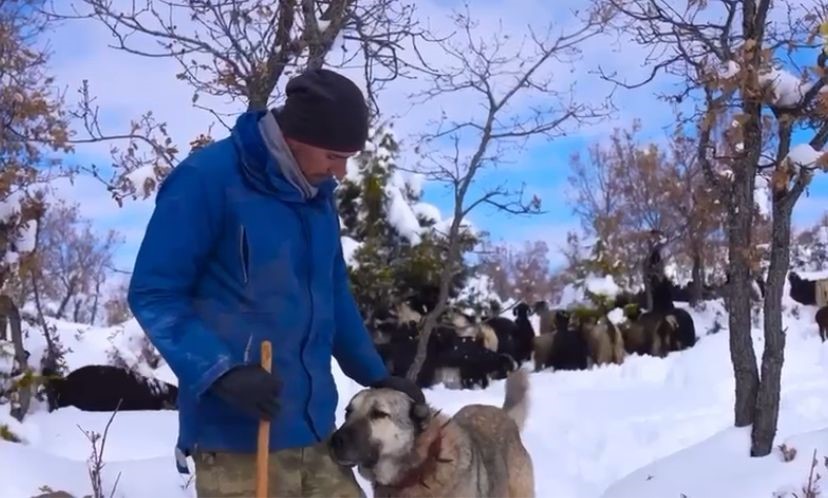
[(74, 262), (519, 273), (486, 72), (699, 211), (530, 272), (791, 174), (32, 124), (495, 263), (726, 54), (626, 192), (596, 201), (116, 306), (237, 50)]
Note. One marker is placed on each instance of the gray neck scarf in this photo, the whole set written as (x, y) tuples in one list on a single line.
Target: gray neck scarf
[(278, 148)]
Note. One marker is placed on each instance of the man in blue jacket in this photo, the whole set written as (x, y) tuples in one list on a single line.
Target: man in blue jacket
[(243, 246)]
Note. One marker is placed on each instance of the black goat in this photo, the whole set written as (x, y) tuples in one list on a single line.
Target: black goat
[(507, 334), (476, 364), (524, 333), (802, 291)]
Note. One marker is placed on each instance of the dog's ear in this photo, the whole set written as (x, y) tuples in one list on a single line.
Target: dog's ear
[(419, 415)]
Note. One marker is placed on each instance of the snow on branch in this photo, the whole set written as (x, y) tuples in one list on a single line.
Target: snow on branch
[(19, 230), (401, 215), (804, 156)]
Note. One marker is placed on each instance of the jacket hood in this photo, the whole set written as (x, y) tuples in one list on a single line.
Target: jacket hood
[(259, 167)]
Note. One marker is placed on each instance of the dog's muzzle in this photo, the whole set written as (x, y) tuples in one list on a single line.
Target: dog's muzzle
[(349, 447)]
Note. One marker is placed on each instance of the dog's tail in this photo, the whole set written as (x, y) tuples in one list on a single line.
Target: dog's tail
[(516, 401)]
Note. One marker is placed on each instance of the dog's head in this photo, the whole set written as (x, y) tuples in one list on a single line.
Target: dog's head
[(381, 425)]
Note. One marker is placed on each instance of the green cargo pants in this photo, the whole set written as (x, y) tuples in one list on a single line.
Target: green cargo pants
[(307, 472)]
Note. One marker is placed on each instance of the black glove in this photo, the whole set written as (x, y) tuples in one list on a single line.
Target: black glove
[(252, 389), (403, 385)]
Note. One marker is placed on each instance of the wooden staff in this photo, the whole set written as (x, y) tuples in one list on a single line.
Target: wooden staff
[(264, 434)]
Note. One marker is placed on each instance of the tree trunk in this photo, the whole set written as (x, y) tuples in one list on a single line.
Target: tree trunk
[(698, 277), (24, 388), (52, 355), (742, 355), (70, 291), (431, 319), (740, 220), (95, 300), (773, 357)]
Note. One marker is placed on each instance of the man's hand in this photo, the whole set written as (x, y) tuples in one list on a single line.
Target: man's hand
[(251, 389), (403, 385)]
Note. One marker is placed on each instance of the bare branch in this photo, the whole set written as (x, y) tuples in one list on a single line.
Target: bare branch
[(496, 76)]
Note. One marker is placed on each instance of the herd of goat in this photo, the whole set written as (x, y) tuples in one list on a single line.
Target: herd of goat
[(464, 351)]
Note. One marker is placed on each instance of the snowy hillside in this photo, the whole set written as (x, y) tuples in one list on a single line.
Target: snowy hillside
[(648, 428)]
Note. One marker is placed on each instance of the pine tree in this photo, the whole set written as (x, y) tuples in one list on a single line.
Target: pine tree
[(399, 255)]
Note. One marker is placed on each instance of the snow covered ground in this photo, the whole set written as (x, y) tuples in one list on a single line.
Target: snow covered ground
[(648, 428)]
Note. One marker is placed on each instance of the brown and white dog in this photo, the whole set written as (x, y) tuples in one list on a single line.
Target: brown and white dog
[(405, 448)]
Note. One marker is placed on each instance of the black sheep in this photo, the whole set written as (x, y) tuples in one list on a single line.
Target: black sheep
[(98, 388)]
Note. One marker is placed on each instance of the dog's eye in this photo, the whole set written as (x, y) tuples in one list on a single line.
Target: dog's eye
[(378, 414)]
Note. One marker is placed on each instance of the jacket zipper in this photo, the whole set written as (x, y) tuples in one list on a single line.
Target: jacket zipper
[(244, 252), (310, 322)]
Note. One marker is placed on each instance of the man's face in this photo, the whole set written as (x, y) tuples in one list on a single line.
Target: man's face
[(319, 164)]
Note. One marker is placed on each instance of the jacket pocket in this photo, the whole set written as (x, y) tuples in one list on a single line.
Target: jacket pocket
[(244, 254)]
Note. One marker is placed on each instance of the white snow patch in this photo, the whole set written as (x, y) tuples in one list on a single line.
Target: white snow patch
[(25, 237), (574, 294), (415, 182), (401, 216), (140, 176), (804, 156), (479, 289), (10, 206), (352, 171), (787, 90), (603, 285), (616, 316), (710, 468), (427, 211), (762, 195), (729, 70), (443, 226), (349, 247)]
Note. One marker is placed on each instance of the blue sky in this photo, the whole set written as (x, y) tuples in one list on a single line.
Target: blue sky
[(128, 85)]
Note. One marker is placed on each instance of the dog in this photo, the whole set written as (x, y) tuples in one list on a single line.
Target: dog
[(405, 448)]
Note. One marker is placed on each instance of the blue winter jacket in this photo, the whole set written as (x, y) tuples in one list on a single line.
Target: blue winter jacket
[(233, 255)]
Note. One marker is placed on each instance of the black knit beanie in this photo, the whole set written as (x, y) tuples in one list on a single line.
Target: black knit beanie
[(324, 109)]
